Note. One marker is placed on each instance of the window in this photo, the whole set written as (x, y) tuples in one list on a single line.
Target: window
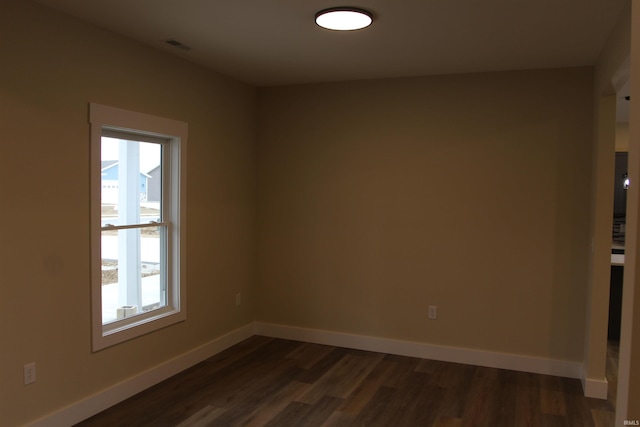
[(138, 223)]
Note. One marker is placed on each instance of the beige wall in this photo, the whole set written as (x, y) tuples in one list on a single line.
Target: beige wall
[(52, 67), (469, 192)]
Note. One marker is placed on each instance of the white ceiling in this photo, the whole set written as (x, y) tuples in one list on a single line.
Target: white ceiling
[(276, 42)]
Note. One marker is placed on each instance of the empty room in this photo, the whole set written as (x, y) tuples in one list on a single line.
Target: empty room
[(233, 213)]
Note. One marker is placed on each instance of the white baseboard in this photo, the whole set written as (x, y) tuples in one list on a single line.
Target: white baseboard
[(596, 388), (515, 362), (115, 394)]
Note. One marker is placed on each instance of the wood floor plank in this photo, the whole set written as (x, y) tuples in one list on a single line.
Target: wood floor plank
[(270, 408), (383, 408), (202, 418), (503, 403), (480, 396), (577, 406), (420, 404), (318, 369), (603, 418), (253, 386), (446, 421), (293, 412), (305, 415), (453, 402), (428, 366), (339, 419), (552, 401), (527, 408), (549, 420), (369, 386), (241, 350), (309, 354), (414, 402), (403, 367), (453, 375), (344, 377), (268, 391)]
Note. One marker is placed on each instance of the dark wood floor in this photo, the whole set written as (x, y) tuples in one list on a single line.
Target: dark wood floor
[(272, 382)]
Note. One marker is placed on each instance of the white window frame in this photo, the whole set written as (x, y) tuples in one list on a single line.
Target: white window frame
[(104, 118)]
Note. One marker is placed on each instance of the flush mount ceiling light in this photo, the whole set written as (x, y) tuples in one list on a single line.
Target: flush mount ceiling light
[(343, 18)]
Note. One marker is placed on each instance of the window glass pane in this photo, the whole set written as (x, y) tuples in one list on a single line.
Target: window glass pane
[(133, 272), (131, 178)]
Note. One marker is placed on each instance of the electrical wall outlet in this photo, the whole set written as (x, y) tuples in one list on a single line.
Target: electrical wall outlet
[(30, 373), (433, 312), (238, 299)]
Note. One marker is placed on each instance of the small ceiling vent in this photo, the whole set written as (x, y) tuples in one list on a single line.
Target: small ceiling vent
[(176, 43)]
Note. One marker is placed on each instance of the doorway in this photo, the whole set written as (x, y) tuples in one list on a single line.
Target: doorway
[(621, 184)]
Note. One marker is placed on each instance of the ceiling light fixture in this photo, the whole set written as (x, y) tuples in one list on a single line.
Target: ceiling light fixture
[(344, 18)]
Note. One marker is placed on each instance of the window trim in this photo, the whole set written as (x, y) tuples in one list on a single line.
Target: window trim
[(110, 120)]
